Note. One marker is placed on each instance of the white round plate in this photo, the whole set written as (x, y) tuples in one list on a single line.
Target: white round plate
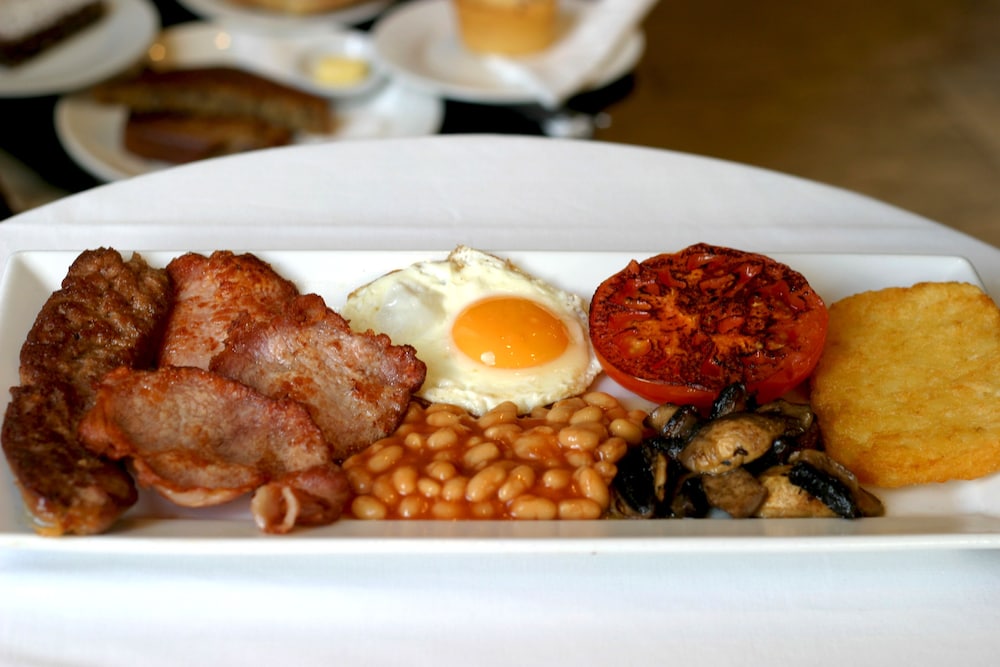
[(419, 43), (284, 58), (101, 50), (93, 133), (263, 18)]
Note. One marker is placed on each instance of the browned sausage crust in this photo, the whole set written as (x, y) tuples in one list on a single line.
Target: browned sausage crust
[(107, 313)]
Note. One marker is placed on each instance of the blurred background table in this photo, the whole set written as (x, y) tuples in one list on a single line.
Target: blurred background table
[(32, 139)]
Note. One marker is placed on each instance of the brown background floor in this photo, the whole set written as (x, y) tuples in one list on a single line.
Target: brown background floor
[(896, 99)]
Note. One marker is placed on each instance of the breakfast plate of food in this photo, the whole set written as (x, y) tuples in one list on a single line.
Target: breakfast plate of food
[(108, 42), (498, 407), (419, 43)]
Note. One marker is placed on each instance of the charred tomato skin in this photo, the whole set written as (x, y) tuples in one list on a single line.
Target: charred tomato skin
[(680, 327)]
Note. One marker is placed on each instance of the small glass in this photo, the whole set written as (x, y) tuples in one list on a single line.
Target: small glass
[(507, 27)]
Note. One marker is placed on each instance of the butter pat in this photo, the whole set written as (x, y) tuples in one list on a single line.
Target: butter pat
[(339, 71)]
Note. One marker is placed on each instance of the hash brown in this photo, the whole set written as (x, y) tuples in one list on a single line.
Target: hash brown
[(908, 384)]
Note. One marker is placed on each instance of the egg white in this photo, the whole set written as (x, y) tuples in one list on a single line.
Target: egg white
[(418, 305)]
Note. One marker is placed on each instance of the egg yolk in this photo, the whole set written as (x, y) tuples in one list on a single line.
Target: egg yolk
[(509, 332)]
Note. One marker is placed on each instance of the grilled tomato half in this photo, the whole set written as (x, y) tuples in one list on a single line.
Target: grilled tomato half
[(681, 327)]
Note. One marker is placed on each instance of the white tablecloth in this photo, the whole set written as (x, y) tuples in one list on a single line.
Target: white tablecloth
[(819, 607)]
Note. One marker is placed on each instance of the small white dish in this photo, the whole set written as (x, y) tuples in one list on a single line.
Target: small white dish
[(290, 59), (277, 21), (101, 50), (419, 43)]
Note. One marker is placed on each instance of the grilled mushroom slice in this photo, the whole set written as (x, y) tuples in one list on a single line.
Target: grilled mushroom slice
[(786, 500), (674, 421), (733, 398), (689, 501), (737, 492), (799, 416), (834, 484), (730, 441), (634, 486)]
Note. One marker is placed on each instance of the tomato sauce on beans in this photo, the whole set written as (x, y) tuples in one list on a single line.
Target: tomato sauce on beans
[(443, 463)]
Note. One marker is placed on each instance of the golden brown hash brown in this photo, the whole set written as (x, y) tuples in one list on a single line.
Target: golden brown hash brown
[(907, 389)]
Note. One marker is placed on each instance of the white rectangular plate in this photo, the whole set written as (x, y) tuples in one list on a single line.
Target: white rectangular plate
[(953, 515)]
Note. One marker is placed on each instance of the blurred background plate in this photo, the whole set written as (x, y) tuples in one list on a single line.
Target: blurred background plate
[(92, 133), (278, 21), (419, 43), (116, 41)]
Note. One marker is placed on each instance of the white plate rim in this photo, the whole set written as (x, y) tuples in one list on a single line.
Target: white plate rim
[(413, 26), (129, 27), (263, 18), (975, 529)]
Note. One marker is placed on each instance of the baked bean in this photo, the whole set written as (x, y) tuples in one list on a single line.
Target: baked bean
[(506, 433), (612, 449), (479, 455), (627, 430), (404, 480), (533, 507), (442, 471), (411, 507), (591, 413), (483, 510), (454, 488), (443, 463), (592, 486), (577, 458), (601, 399), (579, 508), (534, 445), (578, 437), (383, 489), (429, 488), (520, 480), (560, 414), (504, 413), (442, 439), (557, 478), (444, 509), (368, 507), (485, 483), (442, 418), (385, 458), (359, 478), (606, 469)]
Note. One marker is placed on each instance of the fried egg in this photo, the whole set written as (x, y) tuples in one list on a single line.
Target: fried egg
[(487, 331)]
